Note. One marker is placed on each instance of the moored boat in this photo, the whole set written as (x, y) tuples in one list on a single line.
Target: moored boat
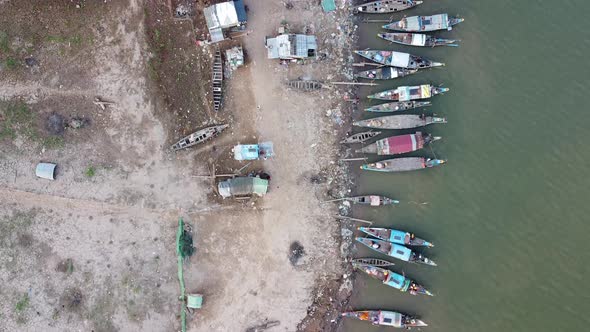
[(405, 93), (394, 280), (386, 6), (402, 164), (424, 23), (385, 318), (398, 59), (395, 236), (396, 251), (360, 137), (372, 200), (404, 121), (199, 136), (397, 106), (385, 73), (399, 144), (416, 39)]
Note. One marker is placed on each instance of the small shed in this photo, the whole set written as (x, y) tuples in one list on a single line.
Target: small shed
[(223, 16), (243, 186), (253, 151), (291, 46)]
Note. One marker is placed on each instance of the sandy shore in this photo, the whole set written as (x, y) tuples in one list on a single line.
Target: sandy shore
[(96, 252)]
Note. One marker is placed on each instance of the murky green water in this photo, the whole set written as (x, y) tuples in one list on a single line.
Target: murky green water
[(509, 213)]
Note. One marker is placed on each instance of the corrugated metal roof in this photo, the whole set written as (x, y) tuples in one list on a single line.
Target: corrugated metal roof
[(291, 46)]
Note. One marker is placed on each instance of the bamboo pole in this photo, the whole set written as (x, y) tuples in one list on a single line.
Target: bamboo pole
[(362, 64), (354, 83), (355, 219), (353, 159)]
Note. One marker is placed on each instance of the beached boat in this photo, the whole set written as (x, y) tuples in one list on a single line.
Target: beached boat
[(372, 261), (402, 164), (424, 23), (396, 251), (416, 39), (372, 200), (217, 81), (360, 137), (199, 136), (405, 93), (386, 6), (399, 144), (398, 59), (394, 280), (395, 236), (404, 121), (305, 85), (385, 73), (385, 318), (397, 106)]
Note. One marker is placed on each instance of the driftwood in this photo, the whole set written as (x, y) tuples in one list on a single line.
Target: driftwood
[(102, 104), (265, 326)]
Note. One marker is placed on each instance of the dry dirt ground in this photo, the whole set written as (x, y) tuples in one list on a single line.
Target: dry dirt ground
[(94, 249)]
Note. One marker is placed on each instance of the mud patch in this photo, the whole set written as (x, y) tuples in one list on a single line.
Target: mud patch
[(296, 251), (72, 300)]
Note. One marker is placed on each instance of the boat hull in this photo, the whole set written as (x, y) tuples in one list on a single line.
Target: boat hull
[(402, 164), (396, 251), (400, 144), (398, 59), (397, 106), (407, 93), (405, 121), (198, 137), (386, 73), (416, 39), (393, 280), (395, 236), (385, 318), (372, 200), (424, 23), (360, 137), (384, 7)]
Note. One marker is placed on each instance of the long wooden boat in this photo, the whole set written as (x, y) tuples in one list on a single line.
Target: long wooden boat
[(396, 251), (404, 121), (397, 106), (402, 164), (406, 93), (424, 23), (305, 85), (360, 137), (399, 144), (398, 59), (394, 280), (385, 318), (372, 200), (395, 236), (199, 136), (217, 80), (385, 73), (372, 261), (386, 6), (416, 39)]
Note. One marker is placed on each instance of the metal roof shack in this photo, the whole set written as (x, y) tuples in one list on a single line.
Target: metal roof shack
[(291, 46), (224, 15)]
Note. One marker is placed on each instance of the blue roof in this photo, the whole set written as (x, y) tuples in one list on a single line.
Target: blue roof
[(240, 10), (396, 280), (397, 236), (400, 252)]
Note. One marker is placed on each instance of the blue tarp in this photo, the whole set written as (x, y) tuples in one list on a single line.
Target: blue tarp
[(396, 280), (400, 252), (329, 5), (397, 236), (240, 10)]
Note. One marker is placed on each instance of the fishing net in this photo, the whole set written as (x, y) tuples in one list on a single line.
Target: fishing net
[(185, 244)]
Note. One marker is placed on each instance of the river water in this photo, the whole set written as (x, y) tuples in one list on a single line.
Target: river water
[(509, 213)]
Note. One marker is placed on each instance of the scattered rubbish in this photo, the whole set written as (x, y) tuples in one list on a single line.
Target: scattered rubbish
[(199, 136), (259, 151), (329, 5), (234, 58), (77, 123), (31, 62), (194, 301), (183, 11), (296, 251), (46, 171)]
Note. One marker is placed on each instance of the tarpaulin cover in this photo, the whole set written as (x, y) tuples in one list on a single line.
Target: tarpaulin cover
[(46, 171), (375, 200), (418, 39), (397, 236), (398, 144), (399, 59), (243, 186), (400, 252), (390, 318), (329, 5)]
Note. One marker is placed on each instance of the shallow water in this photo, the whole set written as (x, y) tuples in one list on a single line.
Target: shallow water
[(509, 212)]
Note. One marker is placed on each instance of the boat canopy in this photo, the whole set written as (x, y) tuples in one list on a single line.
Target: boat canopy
[(427, 23), (418, 39), (398, 281), (399, 59), (400, 252), (253, 151), (242, 186), (375, 200), (390, 318), (407, 93), (397, 236), (399, 144)]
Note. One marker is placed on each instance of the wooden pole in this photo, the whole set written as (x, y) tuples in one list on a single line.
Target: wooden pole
[(362, 64), (354, 83), (354, 219), (353, 159)]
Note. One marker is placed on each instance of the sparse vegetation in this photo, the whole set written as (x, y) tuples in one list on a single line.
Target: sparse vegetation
[(23, 303), (12, 63), (4, 46), (90, 172), (18, 120)]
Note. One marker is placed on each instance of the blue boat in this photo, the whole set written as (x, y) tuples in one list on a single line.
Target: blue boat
[(396, 251), (394, 280), (395, 236)]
